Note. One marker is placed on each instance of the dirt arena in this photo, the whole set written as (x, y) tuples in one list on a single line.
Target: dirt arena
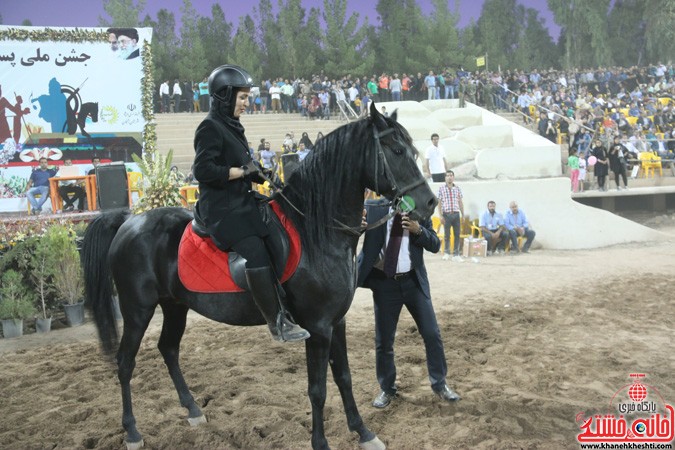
[(531, 341)]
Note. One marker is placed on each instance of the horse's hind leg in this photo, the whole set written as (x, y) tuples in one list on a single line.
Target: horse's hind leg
[(169, 345), (135, 324), (341, 374)]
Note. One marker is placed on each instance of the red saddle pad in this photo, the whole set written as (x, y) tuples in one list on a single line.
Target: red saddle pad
[(203, 267)]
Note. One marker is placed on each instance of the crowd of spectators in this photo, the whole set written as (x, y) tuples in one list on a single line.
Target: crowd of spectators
[(633, 103)]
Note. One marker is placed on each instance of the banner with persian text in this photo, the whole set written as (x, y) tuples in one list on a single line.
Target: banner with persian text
[(72, 93)]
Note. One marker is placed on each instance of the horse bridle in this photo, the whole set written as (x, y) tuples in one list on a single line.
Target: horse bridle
[(399, 193)]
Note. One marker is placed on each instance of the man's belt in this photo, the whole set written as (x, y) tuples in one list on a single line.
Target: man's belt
[(377, 273)]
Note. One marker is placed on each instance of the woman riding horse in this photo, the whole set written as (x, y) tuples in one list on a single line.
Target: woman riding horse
[(227, 207)]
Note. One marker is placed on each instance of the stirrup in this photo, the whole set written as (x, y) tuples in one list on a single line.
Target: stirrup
[(286, 330)]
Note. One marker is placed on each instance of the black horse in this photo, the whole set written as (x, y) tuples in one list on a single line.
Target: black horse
[(324, 199)]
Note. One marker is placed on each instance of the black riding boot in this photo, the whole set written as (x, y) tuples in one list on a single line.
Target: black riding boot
[(262, 283)]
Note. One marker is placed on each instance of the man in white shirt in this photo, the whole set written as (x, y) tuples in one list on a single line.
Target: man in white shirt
[(164, 95), (177, 95), (434, 162)]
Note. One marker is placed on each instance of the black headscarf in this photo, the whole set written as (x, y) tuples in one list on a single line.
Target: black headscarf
[(222, 106)]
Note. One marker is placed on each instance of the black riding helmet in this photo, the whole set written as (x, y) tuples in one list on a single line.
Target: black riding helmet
[(223, 84)]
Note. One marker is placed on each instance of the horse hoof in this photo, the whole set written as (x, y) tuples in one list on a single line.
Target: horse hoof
[(195, 421), (373, 444), (135, 445)]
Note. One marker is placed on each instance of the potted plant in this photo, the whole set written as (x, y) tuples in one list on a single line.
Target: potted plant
[(15, 304), (66, 272)]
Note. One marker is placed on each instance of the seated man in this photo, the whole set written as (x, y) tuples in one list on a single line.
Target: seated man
[(71, 187), (492, 226), (38, 184), (517, 224), (95, 161)]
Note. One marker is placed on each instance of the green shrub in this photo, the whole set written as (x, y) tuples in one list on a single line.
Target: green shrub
[(63, 262), (15, 300)]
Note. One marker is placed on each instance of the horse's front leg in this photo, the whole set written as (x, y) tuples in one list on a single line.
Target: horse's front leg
[(316, 350), (339, 364), (169, 346)]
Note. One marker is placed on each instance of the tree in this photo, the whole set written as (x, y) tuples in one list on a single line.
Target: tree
[(191, 61), (402, 40), (344, 41), (535, 46), (626, 32), (245, 50), (584, 23), (165, 45), (313, 56), (498, 29), (216, 36), (444, 34), (268, 39), (124, 13), (471, 47), (659, 17), (290, 25)]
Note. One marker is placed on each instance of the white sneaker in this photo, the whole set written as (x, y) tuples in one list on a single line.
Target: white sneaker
[(458, 259), (446, 257)]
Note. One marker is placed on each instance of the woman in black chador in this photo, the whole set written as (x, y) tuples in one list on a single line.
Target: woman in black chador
[(227, 206)]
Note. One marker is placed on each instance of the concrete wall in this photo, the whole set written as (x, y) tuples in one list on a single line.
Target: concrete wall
[(513, 163), (560, 222)]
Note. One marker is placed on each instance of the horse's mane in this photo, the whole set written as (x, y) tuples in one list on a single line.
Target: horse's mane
[(333, 166), (315, 188)]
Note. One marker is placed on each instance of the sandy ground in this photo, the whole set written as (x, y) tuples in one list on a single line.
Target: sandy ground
[(531, 341)]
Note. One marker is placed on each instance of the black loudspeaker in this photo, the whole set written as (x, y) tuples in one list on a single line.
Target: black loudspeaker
[(290, 163), (113, 190)]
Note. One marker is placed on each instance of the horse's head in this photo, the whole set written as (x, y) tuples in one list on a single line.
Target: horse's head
[(392, 169)]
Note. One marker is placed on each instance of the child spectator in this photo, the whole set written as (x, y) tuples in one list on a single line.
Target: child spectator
[(573, 164)]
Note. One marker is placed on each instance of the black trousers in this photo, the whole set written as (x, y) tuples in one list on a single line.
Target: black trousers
[(452, 220), (78, 192), (253, 249), (390, 296)]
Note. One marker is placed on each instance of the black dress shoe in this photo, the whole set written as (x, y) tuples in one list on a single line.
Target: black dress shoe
[(447, 394), (383, 399)]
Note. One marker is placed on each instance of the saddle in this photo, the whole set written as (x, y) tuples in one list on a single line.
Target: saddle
[(204, 268)]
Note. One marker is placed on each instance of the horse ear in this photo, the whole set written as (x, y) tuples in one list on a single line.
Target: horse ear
[(393, 115), (377, 117), (374, 113)]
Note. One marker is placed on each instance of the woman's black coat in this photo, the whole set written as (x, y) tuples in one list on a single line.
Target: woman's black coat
[(227, 207)]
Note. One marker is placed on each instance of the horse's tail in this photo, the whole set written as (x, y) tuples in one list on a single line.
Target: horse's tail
[(98, 286)]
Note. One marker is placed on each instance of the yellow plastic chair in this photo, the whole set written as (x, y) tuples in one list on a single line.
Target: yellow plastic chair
[(475, 229), (655, 163), (37, 196), (135, 182), (650, 162), (665, 101), (521, 239), (189, 195), (440, 231)]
